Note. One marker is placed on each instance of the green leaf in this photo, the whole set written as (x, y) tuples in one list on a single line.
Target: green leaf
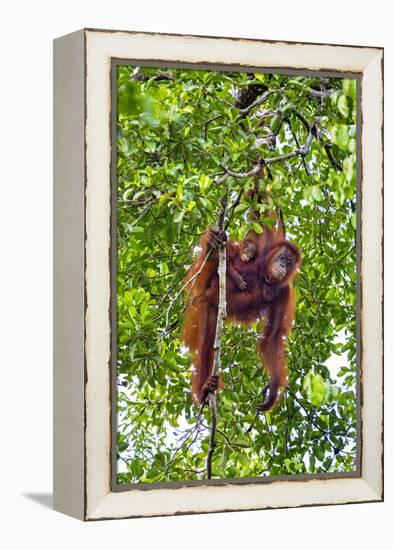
[(316, 193), (342, 105), (137, 229), (177, 218), (349, 87), (256, 227), (349, 168), (341, 136), (275, 123)]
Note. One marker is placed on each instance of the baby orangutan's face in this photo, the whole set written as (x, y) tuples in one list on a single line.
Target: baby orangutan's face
[(248, 251)]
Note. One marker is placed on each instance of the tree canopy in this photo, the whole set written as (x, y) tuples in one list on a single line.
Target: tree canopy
[(179, 130)]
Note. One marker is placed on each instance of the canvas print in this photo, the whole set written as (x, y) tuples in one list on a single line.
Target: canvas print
[(236, 247)]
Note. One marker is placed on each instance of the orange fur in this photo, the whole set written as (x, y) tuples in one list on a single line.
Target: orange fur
[(272, 300)]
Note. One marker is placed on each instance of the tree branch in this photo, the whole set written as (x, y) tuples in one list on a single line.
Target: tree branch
[(258, 167), (221, 315), (298, 146), (334, 162), (212, 441), (254, 171), (244, 112)]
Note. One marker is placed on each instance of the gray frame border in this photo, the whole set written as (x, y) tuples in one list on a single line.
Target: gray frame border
[(117, 487)]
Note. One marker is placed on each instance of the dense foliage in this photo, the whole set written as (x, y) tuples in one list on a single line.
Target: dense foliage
[(177, 128)]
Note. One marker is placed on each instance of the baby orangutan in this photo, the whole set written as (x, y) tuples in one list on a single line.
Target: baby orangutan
[(239, 254)]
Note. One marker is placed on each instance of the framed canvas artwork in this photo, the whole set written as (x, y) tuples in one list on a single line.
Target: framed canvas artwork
[(218, 274)]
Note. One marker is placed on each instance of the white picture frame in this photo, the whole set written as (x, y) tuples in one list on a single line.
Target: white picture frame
[(82, 255)]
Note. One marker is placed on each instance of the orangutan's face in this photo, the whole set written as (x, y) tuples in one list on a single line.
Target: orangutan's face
[(281, 263), (248, 251)]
